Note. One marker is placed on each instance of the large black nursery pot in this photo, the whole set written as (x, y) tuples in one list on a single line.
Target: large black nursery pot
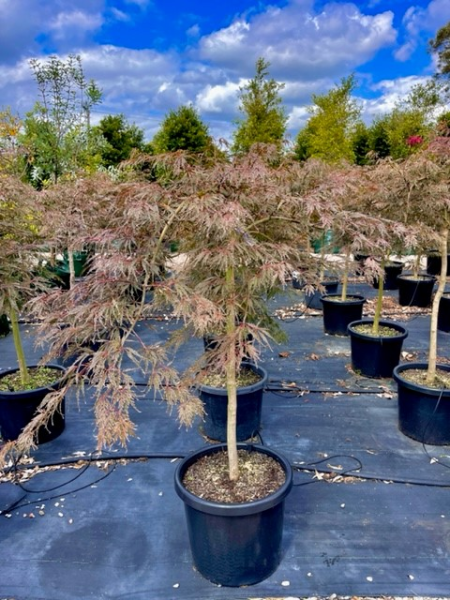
[(249, 406), (18, 408), (413, 291), (423, 412), (235, 544), (444, 313), (376, 356), (391, 271), (338, 314), (434, 262), (5, 327), (314, 300)]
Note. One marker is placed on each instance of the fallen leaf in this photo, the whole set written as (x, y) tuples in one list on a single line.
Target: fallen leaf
[(283, 354)]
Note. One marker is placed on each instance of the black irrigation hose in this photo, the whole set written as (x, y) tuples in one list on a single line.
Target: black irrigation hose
[(281, 390), (308, 468)]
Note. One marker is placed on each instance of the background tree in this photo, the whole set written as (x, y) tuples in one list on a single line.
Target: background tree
[(328, 133), (379, 142), (265, 119), (441, 45), (56, 130), (182, 129), (361, 144), (402, 131), (10, 125), (120, 139)]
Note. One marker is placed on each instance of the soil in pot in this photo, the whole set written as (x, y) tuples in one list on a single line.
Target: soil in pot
[(444, 313), (376, 355), (17, 408), (423, 411), (236, 544), (249, 404), (415, 291), (338, 313)]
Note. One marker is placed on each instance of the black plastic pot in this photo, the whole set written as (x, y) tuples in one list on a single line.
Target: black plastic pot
[(423, 412), (338, 314), (434, 263), (391, 272), (5, 327), (444, 313), (376, 356), (18, 408), (235, 544), (249, 405), (313, 300), (415, 292)]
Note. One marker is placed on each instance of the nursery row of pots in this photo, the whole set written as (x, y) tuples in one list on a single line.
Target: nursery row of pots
[(242, 224)]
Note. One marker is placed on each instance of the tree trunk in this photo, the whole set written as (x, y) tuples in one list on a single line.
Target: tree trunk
[(233, 465), (379, 303), (345, 275), (24, 374), (71, 268), (432, 355)]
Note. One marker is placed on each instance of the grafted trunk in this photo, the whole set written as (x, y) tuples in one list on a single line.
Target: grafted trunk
[(345, 275), (24, 374), (432, 356), (231, 380)]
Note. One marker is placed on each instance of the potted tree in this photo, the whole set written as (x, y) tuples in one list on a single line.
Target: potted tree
[(423, 388), (242, 221), (352, 230), (24, 390), (239, 224), (376, 344)]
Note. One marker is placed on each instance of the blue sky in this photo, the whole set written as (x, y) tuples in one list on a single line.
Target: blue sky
[(150, 56)]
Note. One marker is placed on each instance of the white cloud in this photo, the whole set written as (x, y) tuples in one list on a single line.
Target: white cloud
[(391, 92), (193, 31), (300, 43), (74, 21), (418, 21), (218, 98)]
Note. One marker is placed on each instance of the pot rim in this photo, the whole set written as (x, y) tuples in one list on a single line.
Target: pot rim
[(421, 277), (410, 385), (402, 331), (351, 298), (233, 510), (48, 387), (247, 389)]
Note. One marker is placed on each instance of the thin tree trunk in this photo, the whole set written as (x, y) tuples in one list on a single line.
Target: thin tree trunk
[(233, 465), (345, 276), (379, 303), (24, 374), (432, 355), (71, 268)]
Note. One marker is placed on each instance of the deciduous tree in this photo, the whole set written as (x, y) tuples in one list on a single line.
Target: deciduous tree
[(328, 132)]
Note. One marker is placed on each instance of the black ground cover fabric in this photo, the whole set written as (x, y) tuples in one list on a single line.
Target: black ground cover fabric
[(117, 531)]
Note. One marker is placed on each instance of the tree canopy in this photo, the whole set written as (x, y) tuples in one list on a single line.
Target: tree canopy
[(182, 129), (327, 133), (261, 104), (441, 45), (120, 137)]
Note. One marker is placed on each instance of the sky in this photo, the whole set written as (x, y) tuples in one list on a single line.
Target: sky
[(151, 56)]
